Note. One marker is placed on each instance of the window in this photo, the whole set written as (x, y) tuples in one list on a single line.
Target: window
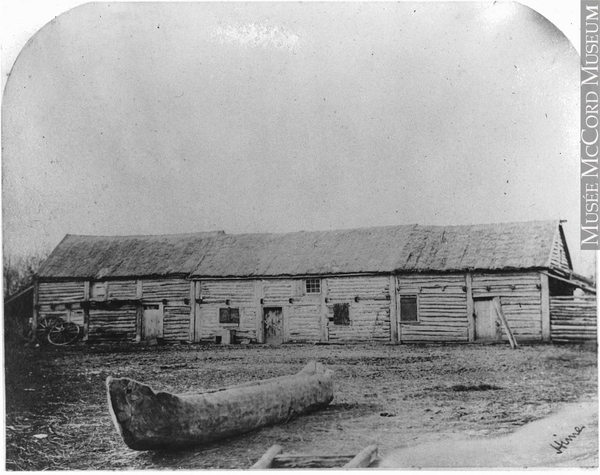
[(341, 314), (229, 315), (313, 286), (409, 310)]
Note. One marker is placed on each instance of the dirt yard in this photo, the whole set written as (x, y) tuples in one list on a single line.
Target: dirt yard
[(392, 396)]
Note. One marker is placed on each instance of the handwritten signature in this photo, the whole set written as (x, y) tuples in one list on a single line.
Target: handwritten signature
[(560, 445)]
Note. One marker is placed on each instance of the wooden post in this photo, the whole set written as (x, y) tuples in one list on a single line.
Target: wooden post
[(258, 295), (36, 308), (470, 306), (509, 334), (267, 459), (198, 311), (393, 310), (86, 310), (139, 312), (364, 458), (324, 311), (545, 301), (192, 311)]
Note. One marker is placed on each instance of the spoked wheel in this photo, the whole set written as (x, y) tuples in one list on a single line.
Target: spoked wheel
[(44, 326), (63, 333)]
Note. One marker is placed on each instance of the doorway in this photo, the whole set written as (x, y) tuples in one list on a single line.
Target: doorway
[(152, 322), (487, 325), (273, 325)]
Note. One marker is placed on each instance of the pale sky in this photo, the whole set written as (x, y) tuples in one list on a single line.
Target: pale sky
[(167, 118)]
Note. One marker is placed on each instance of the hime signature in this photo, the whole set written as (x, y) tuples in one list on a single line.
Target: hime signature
[(560, 445)]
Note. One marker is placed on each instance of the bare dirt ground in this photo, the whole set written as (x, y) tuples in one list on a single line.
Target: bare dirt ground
[(393, 396)]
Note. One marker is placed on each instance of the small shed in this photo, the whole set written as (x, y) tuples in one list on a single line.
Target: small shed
[(397, 284)]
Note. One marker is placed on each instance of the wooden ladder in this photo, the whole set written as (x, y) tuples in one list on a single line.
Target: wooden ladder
[(273, 458)]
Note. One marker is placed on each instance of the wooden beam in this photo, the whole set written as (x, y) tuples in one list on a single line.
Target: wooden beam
[(470, 306), (197, 336), (139, 293), (364, 458), (258, 295), (86, 311), (324, 311), (36, 311), (393, 310), (267, 459), (545, 296), (498, 308), (192, 310)]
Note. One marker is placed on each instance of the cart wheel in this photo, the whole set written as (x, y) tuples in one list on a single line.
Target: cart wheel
[(63, 333), (44, 326)]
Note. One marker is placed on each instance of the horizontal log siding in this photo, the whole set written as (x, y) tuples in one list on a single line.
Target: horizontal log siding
[(302, 316), (121, 289), (241, 295), (304, 322), (442, 307), (60, 292), (369, 317), (573, 319), (170, 289), (117, 324), (176, 323), (521, 305)]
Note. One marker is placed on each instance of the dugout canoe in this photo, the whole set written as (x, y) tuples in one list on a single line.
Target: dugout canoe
[(149, 420)]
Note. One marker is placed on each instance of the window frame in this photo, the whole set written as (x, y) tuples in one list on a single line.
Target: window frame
[(313, 281), (348, 306), (229, 309), (417, 305)]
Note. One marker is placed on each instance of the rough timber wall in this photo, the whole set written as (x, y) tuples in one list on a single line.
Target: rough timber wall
[(573, 319), (369, 316), (520, 296), (62, 300), (442, 307), (302, 316), (214, 295), (110, 324), (176, 323), (559, 256)]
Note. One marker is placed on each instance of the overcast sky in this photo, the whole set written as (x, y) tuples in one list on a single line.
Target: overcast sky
[(166, 118)]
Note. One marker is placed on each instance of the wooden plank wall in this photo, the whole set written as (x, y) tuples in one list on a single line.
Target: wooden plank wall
[(573, 319), (520, 296), (112, 324), (118, 322), (558, 257), (442, 301), (240, 294), (302, 317), (369, 317)]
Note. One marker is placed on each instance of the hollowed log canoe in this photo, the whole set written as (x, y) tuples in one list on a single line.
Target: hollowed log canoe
[(149, 420)]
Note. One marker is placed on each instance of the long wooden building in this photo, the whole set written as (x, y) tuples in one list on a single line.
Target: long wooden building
[(406, 283)]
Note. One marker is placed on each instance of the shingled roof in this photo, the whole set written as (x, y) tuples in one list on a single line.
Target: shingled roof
[(407, 248)]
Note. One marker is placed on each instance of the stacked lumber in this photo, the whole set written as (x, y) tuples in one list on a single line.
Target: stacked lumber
[(573, 319)]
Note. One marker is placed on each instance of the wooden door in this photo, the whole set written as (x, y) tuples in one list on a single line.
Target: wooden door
[(487, 325), (273, 325), (152, 322)]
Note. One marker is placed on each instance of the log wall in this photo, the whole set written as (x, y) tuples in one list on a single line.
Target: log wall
[(520, 296), (442, 307), (558, 257), (118, 321), (573, 319), (369, 317), (214, 295)]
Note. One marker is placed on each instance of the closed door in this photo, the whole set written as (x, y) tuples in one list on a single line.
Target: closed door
[(487, 325), (273, 321), (152, 323)]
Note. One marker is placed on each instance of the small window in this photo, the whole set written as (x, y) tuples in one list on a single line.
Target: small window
[(229, 315), (409, 311), (313, 286), (341, 314)]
